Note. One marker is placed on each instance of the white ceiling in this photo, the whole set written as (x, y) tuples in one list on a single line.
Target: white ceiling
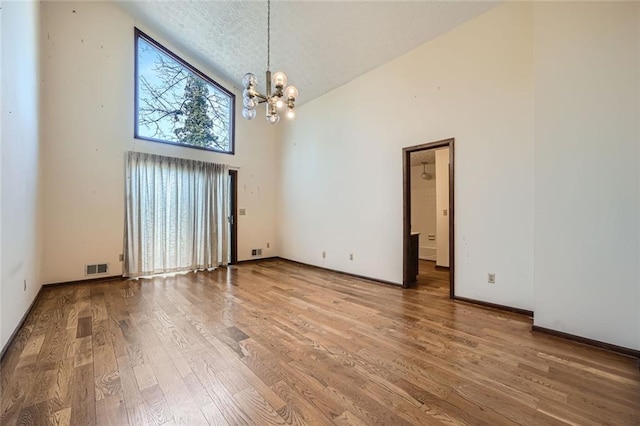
[(426, 156), (320, 45)]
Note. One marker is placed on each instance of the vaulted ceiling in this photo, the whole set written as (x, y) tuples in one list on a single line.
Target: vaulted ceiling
[(320, 45)]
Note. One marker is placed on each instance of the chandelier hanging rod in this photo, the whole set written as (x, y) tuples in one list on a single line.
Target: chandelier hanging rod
[(268, 35)]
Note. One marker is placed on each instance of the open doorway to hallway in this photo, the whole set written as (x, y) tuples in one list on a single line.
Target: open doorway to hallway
[(428, 216), (233, 213)]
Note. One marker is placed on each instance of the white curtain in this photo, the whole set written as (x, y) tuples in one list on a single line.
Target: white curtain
[(175, 215)]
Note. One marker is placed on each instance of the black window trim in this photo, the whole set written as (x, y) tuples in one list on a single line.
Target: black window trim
[(140, 34)]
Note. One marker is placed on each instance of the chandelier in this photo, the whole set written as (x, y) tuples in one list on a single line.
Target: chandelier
[(425, 175), (283, 95)]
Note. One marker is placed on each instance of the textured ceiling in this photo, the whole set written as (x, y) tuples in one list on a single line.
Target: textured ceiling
[(320, 45)]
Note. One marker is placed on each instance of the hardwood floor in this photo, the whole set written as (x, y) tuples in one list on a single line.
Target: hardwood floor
[(432, 276), (280, 343)]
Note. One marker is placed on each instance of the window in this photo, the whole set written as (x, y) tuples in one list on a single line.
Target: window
[(177, 104)]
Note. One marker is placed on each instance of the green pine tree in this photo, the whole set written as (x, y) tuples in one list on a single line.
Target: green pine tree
[(198, 126)]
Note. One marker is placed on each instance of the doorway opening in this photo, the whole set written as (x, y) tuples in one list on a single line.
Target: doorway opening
[(233, 223), (428, 242)]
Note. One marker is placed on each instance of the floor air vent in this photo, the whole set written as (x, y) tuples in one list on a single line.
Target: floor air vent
[(99, 268)]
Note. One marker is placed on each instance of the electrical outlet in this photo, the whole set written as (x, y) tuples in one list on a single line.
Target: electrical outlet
[(268, 245), (491, 278), (324, 254), (121, 257), (25, 286), (350, 256)]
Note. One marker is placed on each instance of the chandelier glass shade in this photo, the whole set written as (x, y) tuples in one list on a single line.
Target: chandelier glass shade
[(281, 96)]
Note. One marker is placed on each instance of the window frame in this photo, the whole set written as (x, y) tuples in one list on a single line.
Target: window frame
[(232, 97)]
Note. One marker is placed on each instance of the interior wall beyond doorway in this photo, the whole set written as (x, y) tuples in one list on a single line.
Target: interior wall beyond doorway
[(430, 203), (423, 207)]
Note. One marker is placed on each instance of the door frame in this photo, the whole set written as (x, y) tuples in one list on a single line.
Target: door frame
[(406, 208), (233, 214)]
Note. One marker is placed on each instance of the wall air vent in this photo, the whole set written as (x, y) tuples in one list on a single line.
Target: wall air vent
[(99, 268)]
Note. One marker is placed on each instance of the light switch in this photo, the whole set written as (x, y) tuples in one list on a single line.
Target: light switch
[(445, 212), (242, 212)]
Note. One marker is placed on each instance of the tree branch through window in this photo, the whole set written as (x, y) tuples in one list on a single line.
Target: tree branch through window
[(177, 104)]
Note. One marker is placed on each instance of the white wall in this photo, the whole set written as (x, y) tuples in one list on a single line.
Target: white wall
[(587, 163), (2, 338), (341, 187), (423, 209), (88, 80), (442, 206), (20, 245)]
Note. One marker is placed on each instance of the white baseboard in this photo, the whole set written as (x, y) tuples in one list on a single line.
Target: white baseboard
[(427, 253)]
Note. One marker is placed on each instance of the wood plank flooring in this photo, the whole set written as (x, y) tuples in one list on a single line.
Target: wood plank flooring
[(435, 277), (280, 343)]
